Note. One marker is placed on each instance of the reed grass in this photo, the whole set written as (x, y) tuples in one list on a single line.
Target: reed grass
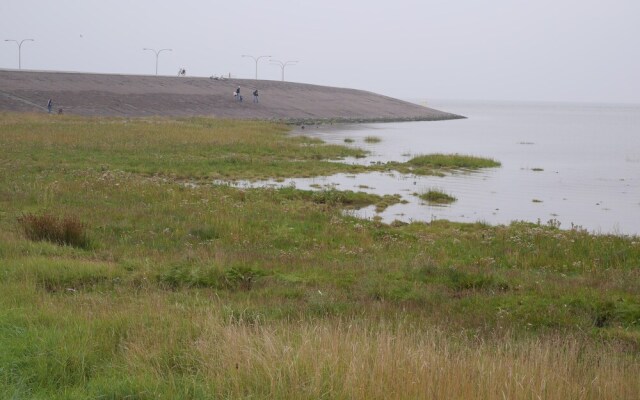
[(151, 345)]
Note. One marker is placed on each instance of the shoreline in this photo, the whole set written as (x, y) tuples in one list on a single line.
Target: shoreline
[(342, 121)]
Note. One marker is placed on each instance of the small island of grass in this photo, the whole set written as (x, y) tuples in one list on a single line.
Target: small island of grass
[(434, 196), (437, 164), (372, 139), (452, 161)]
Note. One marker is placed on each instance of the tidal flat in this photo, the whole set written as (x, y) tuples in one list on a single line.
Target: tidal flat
[(187, 289)]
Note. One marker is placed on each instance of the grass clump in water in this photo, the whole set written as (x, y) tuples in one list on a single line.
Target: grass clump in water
[(434, 196), (372, 139), (452, 161), (346, 199), (438, 164)]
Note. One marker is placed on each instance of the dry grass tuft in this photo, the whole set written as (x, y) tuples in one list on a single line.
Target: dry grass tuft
[(64, 231)]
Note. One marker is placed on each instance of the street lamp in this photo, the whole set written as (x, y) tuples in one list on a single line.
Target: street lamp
[(157, 54), (256, 59), (19, 49), (283, 65)]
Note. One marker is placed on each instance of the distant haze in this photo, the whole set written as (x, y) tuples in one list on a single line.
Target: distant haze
[(543, 50)]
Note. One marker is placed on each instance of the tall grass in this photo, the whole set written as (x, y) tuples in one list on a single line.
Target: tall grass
[(186, 346), (67, 230)]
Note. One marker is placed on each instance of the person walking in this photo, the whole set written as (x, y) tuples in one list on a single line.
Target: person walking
[(255, 96), (49, 105), (238, 97)]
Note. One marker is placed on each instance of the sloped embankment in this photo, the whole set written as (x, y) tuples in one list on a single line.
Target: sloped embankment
[(132, 95)]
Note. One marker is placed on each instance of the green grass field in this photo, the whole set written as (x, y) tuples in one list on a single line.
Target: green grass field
[(185, 289)]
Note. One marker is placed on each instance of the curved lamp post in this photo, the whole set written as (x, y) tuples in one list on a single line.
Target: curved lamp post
[(256, 59), (283, 65), (19, 49), (157, 53)]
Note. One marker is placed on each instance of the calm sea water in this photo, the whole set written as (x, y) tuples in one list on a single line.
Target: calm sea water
[(589, 156)]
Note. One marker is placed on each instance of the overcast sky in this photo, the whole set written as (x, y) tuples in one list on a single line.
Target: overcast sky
[(540, 50)]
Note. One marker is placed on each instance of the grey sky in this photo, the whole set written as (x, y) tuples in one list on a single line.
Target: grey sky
[(549, 50)]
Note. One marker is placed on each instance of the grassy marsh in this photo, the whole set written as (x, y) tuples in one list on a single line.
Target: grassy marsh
[(210, 291)]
